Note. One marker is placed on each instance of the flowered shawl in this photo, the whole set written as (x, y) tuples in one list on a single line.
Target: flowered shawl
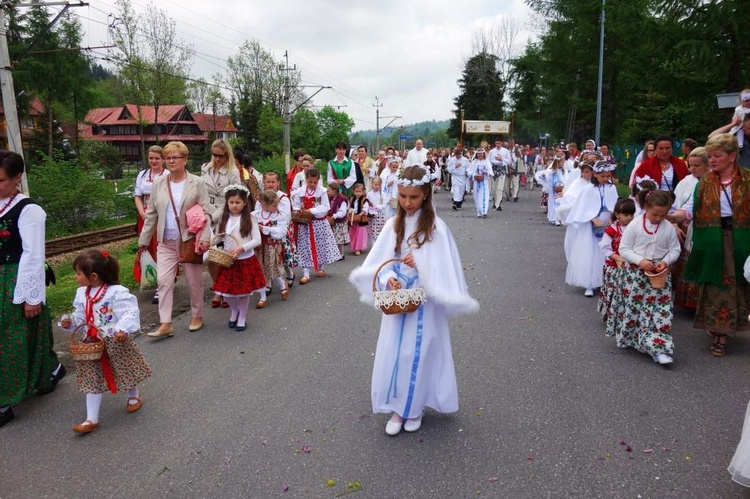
[(706, 261)]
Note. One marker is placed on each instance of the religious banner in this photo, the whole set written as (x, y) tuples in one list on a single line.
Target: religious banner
[(480, 126)]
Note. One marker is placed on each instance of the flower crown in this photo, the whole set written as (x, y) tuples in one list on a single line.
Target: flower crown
[(417, 182), (639, 180), (603, 165), (235, 187)]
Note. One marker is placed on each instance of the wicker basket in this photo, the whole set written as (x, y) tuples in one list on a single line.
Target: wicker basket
[(81, 350), (478, 177), (658, 281), (220, 256), (397, 301), (301, 217)]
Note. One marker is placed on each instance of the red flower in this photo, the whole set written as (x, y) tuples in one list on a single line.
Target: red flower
[(103, 309), (660, 342), (105, 254), (4, 234), (651, 299)]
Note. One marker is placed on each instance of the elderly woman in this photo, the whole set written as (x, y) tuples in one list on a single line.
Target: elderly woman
[(27, 361), (686, 292), (218, 173), (721, 243), (171, 195)]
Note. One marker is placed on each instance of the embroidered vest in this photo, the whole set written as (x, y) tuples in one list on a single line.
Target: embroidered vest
[(11, 245)]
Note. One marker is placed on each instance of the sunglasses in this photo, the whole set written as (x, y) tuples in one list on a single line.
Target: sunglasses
[(218, 155)]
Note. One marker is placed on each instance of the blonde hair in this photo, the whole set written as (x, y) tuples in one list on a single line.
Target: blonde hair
[(156, 150), (224, 146), (699, 152), (723, 141), (177, 146)]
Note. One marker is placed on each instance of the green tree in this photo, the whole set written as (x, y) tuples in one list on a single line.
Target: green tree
[(305, 133), (334, 127), (481, 96), (270, 131)]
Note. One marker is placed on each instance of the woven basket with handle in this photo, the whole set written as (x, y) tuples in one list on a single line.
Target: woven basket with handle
[(86, 349), (397, 301), (221, 256), (659, 280)]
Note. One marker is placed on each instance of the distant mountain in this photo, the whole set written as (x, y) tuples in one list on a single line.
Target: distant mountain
[(421, 129)]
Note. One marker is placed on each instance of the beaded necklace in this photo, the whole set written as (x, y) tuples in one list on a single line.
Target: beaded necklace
[(8, 203), (648, 231), (89, 306)]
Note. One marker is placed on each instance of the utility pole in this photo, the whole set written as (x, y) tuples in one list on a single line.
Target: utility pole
[(9, 98), (601, 80), (287, 114), (10, 107), (377, 107)]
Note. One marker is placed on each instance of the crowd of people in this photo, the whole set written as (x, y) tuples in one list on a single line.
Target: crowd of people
[(682, 238)]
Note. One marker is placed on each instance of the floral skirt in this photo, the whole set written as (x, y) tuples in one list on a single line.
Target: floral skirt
[(643, 314), (377, 222), (128, 367), (241, 279), (341, 232), (323, 252), (272, 258), (611, 277), (545, 199), (290, 247), (723, 309), (685, 292), (27, 357)]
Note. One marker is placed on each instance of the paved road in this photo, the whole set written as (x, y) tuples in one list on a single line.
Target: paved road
[(546, 400)]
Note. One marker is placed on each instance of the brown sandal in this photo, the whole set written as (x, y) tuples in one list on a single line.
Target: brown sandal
[(719, 349)]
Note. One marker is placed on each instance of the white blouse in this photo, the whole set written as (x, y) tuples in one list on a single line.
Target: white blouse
[(659, 243), (30, 285)]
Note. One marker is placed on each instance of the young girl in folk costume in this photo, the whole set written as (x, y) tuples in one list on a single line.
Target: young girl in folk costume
[(241, 235), (316, 246), (608, 305), (413, 362), (649, 244), (641, 184), (590, 214), (376, 208), (272, 182), (339, 207), (481, 171), (273, 229), (390, 186), (358, 224), (110, 313), (553, 180)]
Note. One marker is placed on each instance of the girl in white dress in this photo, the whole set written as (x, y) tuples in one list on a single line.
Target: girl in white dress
[(553, 180), (589, 216), (481, 171), (413, 360), (376, 202)]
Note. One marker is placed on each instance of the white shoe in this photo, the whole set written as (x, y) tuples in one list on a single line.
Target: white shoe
[(589, 293), (413, 424), (663, 359), (392, 428)]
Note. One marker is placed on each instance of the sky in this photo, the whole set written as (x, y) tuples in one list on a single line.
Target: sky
[(408, 53)]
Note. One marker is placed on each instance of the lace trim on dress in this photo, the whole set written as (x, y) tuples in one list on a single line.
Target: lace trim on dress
[(30, 289)]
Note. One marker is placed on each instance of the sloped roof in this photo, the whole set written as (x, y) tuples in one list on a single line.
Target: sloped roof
[(205, 122), (128, 114)]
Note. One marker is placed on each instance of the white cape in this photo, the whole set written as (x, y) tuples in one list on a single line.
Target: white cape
[(413, 366)]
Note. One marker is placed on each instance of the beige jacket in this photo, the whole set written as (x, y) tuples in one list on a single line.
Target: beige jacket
[(158, 208)]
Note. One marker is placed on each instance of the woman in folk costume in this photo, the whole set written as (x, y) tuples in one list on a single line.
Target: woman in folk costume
[(481, 171), (316, 246), (553, 181), (342, 171), (413, 366), (458, 166), (590, 214), (721, 244)]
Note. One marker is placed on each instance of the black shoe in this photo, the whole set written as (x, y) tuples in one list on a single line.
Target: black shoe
[(455, 208), (290, 280), (499, 208), (155, 299), (269, 290), (54, 379), (7, 416), (515, 199)]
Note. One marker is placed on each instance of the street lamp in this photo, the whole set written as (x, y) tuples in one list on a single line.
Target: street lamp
[(601, 77)]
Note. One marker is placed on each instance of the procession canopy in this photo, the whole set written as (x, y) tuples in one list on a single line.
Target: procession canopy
[(482, 126)]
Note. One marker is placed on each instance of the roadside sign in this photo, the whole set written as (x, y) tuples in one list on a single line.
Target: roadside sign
[(406, 137)]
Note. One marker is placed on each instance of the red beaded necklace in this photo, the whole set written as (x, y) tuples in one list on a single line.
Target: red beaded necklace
[(8, 203), (648, 231)]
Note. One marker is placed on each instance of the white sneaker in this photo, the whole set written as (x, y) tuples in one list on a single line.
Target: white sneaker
[(589, 293), (663, 359), (392, 428)]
